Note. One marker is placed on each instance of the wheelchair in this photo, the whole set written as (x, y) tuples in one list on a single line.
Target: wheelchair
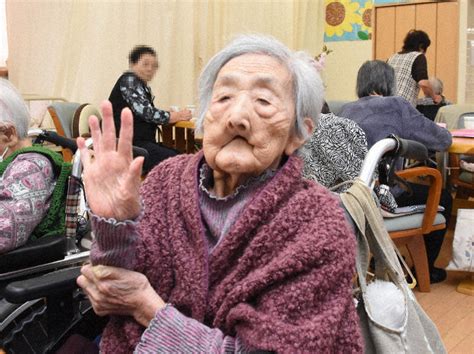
[(36, 322), (60, 310)]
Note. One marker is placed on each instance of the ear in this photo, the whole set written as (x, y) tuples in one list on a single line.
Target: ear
[(8, 136), (295, 141)]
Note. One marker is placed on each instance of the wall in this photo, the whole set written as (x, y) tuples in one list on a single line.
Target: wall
[(77, 49), (342, 66)]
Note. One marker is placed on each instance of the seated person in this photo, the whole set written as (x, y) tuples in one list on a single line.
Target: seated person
[(334, 155), (229, 249), (427, 106), (131, 90), (33, 180), (335, 151), (380, 114)]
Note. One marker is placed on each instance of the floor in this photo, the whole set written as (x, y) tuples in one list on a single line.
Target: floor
[(451, 311)]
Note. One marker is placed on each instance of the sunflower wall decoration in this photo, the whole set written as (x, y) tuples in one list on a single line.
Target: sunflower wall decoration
[(348, 20)]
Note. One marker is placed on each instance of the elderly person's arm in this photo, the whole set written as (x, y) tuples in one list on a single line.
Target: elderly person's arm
[(133, 91), (25, 189), (415, 126), (129, 293)]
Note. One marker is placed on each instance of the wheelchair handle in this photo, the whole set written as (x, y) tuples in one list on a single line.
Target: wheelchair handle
[(56, 139), (399, 147), (412, 150)]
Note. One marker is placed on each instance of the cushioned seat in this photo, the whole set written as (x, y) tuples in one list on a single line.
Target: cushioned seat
[(410, 222), (467, 177)]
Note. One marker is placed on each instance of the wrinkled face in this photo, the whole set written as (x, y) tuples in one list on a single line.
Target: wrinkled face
[(145, 68), (251, 117)]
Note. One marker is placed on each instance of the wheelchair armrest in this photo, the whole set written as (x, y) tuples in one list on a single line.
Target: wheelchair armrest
[(51, 284), (34, 252), (434, 193)]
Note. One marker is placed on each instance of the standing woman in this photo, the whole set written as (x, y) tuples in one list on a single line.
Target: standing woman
[(411, 68), (132, 91)]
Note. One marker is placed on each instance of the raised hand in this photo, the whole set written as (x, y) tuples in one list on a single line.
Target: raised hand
[(111, 176)]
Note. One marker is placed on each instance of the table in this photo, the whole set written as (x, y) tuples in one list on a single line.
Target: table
[(180, 136), (459, 146)]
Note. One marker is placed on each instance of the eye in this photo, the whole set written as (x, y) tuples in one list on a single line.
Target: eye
[(223, 98), (263, 101)]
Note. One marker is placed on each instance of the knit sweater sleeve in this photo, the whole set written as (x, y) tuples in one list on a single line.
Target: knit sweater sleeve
[(133, 92), (114, 243), (171, 331), (25, 189)]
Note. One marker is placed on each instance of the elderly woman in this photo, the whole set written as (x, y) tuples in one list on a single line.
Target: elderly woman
[(380, 116), (32, 179), (229, 249)]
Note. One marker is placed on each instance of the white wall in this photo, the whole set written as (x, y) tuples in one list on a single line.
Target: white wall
[(342, 66)]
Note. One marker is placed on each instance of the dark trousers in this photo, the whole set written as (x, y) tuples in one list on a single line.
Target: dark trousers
[(433, 240), (156, 153)]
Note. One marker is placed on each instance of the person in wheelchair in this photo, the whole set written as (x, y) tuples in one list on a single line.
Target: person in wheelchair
[(230, 249), (379, 113), (33, 179)]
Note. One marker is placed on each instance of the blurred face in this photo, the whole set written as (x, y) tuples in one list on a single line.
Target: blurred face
[(145, 68), (251, 118)]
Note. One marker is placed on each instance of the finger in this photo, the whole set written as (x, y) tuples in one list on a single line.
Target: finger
[(96, 134), (136, 169), (126, 134), (101, 272), (85, 154), (108, 127)]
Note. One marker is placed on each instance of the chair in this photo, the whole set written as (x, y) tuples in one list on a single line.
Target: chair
[(62, 114), (80, 121), (409, 230)]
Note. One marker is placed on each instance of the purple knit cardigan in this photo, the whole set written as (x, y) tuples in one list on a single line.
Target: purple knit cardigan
[(280, 280)]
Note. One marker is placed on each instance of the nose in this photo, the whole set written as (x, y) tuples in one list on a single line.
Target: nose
[(239, 115)]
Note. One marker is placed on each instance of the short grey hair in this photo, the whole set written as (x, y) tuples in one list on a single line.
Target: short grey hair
[(376, 77), (13, 109), (436, 85), (308, 90)]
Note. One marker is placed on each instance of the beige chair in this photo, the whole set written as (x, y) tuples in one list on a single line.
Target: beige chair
[(62, 114), (409, 230), (80, 121)]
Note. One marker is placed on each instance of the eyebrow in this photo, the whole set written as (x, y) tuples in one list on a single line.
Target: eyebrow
[(262, 80)]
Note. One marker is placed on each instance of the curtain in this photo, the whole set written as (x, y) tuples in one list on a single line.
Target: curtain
[(78, 49)]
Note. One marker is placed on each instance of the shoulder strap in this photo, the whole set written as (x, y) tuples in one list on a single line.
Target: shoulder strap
[(372, 236)]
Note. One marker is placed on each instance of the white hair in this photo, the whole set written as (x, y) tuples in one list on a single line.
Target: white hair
[(437, 85), (308, 89), (13, 109)]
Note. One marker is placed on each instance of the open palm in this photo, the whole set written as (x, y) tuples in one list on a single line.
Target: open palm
[(111, 176)]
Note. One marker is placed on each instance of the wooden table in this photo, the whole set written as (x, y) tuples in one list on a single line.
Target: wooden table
[(462, 146), (180, 136), (459, 146)]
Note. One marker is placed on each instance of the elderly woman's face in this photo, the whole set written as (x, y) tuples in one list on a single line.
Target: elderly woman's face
[(251, 118)]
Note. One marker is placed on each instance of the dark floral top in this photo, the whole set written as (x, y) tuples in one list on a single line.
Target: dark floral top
[(140, 99)]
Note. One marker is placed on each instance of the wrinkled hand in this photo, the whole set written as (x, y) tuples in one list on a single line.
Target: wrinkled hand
[(111, 176), (184, 114), (117, 291)]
